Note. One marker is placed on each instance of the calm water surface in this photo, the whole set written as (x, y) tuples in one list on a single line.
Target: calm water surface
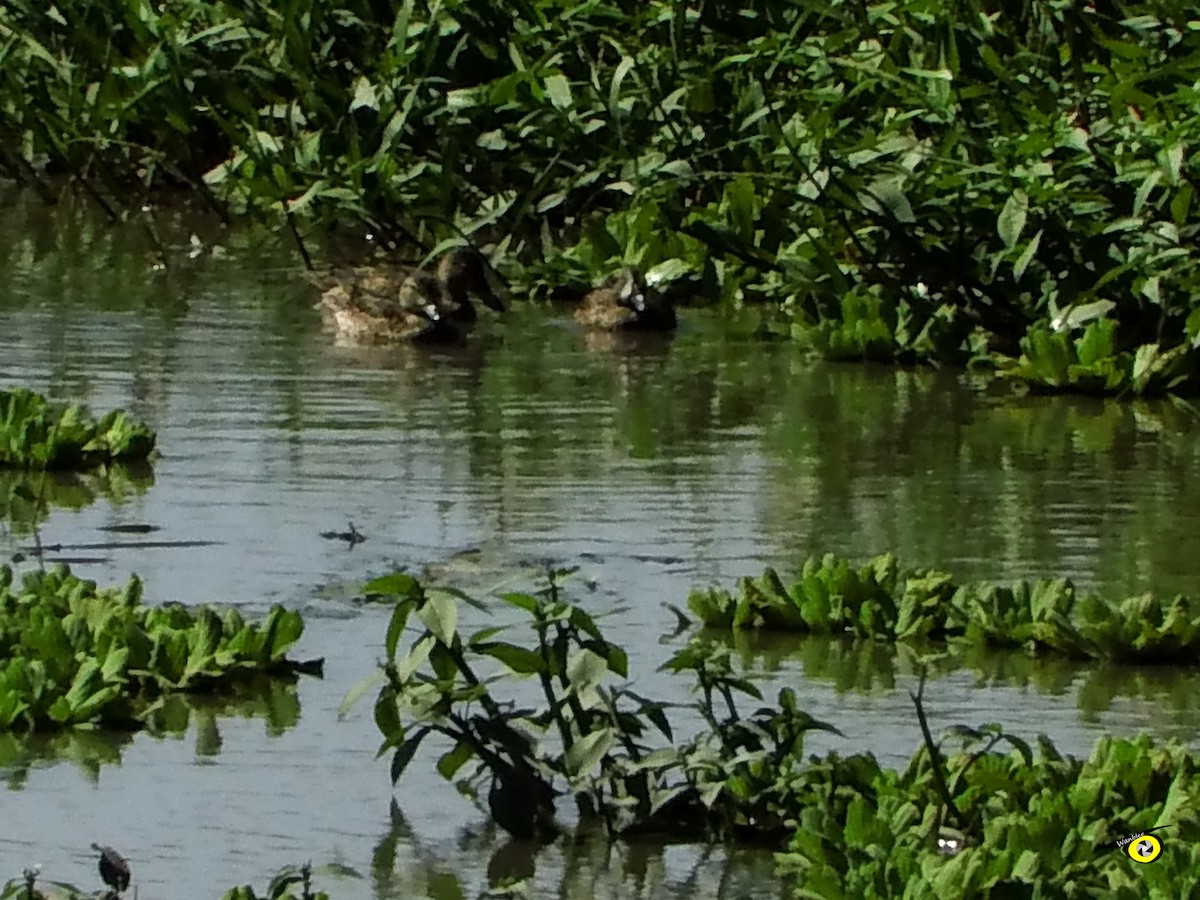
[(656, 467)]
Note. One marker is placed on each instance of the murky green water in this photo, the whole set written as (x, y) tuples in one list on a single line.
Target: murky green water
[(656, 467)]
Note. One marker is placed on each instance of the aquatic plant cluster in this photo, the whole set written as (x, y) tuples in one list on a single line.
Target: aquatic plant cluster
[(959, 824), (74, 654), (38, 434), (1025, 823), (882, 600), (910, 182)]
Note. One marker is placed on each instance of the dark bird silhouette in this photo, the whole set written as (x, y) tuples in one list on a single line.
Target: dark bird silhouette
[(114, 868)]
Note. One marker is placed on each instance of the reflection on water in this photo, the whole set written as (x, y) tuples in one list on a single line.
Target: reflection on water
[(403, 866), (658, 467), (26, 498)]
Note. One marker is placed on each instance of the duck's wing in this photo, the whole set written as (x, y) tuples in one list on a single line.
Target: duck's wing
[(387, 292)]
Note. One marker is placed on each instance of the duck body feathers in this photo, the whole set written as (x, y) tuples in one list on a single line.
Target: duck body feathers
[(378, 304), (624, 303)]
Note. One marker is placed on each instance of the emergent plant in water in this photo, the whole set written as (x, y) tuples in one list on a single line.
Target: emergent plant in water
[(587, 738)]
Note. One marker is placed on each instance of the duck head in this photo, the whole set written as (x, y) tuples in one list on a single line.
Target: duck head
[(630, 285), (463, 272)]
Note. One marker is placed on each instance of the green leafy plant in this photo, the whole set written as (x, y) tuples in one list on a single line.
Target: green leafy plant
[(35, 434), (588, 738), (1033, 823), (74, 654)]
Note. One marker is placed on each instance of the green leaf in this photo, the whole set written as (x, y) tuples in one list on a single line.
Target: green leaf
[(588, 750), (357, 691), (396, 626), (526, 602), (519, 659), (405, 752), (624, 67), (1027, 255), (586, 669), (1012, 218), (440, 615), (387, 716), (364, 95), (398, 584), (559, 91), (454, 759)]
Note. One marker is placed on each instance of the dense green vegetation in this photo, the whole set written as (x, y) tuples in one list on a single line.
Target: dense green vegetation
[(1033, 823), (908, 180), (1024, 823), (882, 600), (37, 434), (74, 654)]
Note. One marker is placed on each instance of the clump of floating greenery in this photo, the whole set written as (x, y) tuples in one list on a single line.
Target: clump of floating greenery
[(961, 824), (37, 434), (882, 600), (1020, 824), (74, 654)]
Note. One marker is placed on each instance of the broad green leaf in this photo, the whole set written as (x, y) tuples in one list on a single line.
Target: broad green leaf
[(358, 690), (586, 752), (440, 616), (1011, 220), (521, 660), (624, 67), (364, 95), (454, 759), (398, 584), (559, 91), (586, 669), (387, 717)]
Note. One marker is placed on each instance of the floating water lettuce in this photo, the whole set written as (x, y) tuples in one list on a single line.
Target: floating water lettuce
[(881, 600), (1035, 823), (36, 434), (74, 654)]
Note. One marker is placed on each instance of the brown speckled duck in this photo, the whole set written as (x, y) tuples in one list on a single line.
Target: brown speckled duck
[(624, 303), (375, 304)]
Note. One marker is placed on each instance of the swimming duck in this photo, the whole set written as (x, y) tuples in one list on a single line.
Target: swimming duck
[(624, 302), (382, 303)]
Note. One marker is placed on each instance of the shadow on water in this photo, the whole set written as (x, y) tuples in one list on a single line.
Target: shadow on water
[(661, 466)]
